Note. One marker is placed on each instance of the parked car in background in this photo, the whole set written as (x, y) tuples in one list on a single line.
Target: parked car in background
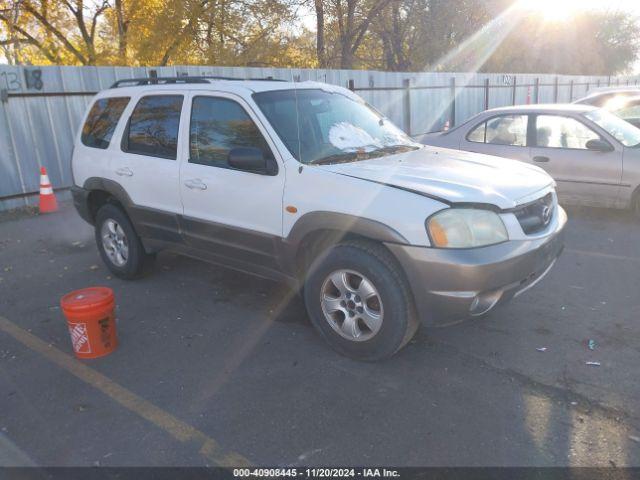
[(599, 97), (593, 155), (625, 104), (306, 183)]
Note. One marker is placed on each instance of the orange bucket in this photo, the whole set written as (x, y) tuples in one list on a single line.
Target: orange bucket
[(90, 314)]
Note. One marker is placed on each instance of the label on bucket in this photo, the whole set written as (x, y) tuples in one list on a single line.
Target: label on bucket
[(105, 333), (79, 337)]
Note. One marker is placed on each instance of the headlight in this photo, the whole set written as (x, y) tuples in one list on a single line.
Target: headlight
[(465, 228)]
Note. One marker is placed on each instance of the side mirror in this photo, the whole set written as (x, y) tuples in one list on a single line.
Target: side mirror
[(249, 159), (598, 145)]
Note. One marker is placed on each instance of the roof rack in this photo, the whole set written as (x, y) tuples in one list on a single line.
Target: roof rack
[(186, 79), (157, 81)]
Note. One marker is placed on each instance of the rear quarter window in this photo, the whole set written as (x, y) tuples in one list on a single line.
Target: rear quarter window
[(102, 120)]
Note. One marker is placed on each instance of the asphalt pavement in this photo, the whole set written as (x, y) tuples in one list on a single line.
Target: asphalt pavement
[(218, 367)]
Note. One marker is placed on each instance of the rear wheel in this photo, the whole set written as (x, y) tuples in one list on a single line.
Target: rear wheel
[(119, 245), (359, 301)]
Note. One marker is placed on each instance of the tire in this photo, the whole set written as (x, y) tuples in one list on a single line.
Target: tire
[(128, 260), (368, 329)]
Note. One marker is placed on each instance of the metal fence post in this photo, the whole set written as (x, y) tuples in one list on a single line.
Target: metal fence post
[(555, 91), (452, 108), (536, 90), (486, 94), (598, 84), (514, 91), (351, 85), (570, 91), (406, 83)]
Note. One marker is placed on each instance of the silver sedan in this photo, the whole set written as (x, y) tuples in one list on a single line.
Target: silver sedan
[(593, 155)]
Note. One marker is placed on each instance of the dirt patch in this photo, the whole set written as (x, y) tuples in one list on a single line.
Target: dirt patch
[(18, 213)]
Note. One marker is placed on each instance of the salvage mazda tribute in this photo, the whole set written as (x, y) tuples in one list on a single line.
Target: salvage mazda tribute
[(305, 182)]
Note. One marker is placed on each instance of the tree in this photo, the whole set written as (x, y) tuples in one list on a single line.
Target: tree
[(591, 43), (57, 29), (393, 35)]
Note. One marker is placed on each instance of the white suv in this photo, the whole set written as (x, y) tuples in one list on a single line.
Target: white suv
[(305, 182)]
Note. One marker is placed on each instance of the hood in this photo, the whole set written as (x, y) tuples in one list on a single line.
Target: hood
[(453, 176)]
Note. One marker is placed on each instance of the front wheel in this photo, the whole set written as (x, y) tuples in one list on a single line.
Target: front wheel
[(359, 301), (119, 245)]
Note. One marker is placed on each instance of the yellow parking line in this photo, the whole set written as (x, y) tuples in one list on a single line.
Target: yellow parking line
[(610, 256), (183, 432)]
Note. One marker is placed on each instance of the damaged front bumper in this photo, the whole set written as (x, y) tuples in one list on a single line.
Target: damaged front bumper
[(449, 285)]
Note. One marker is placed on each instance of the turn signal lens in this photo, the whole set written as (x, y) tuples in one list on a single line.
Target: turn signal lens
[(438, 234), (466, 228)]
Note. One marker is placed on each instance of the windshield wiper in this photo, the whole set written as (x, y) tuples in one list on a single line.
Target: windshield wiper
[(391, 149), (357, 156), (335, 158)]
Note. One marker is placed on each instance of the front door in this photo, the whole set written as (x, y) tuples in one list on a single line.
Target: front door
[(229, 213), (584, 177)]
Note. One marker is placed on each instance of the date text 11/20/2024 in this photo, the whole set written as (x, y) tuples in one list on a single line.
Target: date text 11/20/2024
[(316, 472)]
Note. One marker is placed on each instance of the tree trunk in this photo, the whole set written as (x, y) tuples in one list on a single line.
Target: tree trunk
[(123, 30), (320, 52)]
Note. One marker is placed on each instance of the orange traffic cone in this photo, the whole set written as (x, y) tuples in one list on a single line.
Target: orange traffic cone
[(48, 202)]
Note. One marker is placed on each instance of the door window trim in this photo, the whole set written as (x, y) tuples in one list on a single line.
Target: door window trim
[(124, 139)]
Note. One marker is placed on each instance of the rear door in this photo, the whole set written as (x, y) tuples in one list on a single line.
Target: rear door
[(584, 176), (230, 213), (147, 167), (501, 135)]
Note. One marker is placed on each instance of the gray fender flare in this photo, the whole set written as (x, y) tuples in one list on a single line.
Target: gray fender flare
[(342, 224)]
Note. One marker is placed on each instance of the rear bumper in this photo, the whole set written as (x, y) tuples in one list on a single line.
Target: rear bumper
[(450, 285), (81, 202)]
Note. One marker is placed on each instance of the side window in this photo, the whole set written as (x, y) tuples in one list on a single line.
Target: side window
[(153, 126), (217, 126), (477, 134), (102, 120), (503, 130), (554, 131)]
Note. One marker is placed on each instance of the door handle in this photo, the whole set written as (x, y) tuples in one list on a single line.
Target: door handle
[(195, 184), (124, 172), (541, 159)]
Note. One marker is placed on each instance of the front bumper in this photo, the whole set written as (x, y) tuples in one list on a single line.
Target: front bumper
[(449, 285)]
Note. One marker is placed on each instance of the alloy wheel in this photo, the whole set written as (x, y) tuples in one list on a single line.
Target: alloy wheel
[(351, 305), (115, 242)]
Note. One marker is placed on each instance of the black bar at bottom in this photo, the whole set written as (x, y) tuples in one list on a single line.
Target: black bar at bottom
[(395, 473)]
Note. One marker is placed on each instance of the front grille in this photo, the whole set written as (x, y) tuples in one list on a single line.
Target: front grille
[(535, 216)]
